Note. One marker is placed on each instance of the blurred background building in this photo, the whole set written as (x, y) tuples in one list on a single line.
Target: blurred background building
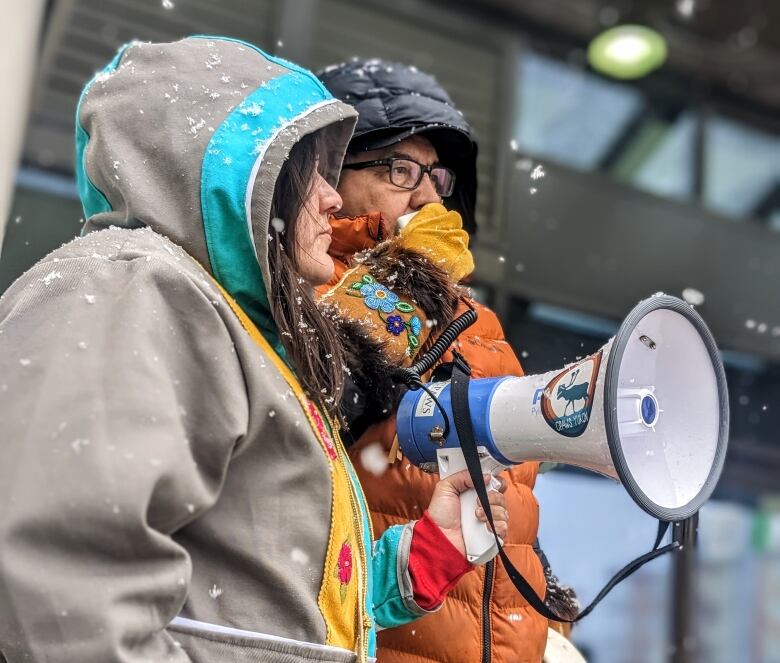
[(595, 191)]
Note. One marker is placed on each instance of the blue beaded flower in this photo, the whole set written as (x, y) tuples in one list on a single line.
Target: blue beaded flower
[(395, 325), (416, 325), (377, 297)]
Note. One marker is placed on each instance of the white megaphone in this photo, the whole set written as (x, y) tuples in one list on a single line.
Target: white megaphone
[(649, 409)]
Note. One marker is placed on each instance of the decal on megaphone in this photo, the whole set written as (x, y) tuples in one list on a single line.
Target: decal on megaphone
[(649, 409)]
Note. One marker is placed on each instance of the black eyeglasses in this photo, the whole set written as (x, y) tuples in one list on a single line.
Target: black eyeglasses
[(407, 173)]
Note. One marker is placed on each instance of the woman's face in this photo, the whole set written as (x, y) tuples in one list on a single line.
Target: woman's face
[(313, 232)]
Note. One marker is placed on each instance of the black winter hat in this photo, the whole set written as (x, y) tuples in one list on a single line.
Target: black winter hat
[(395, 101)]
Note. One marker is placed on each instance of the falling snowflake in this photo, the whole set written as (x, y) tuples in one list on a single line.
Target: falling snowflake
[(51, 276), (167, 4), (215, 592), (299, 556), (685, 8), (374, 459), (90, 299), (196, 126), (78, 444), (693, 296), (538, 172), (254, 109)]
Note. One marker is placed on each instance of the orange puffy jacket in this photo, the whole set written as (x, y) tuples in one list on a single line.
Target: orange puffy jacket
[(484, 618)]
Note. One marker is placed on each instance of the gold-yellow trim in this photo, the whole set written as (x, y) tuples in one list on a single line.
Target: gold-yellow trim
[(342, 631)]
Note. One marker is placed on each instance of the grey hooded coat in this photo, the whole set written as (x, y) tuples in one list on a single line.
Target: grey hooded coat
[(167, 492)]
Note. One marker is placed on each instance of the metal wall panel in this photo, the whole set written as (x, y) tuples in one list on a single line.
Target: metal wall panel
[(585, 242), (84, 35)]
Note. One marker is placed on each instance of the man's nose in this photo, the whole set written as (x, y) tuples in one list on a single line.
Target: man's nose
[(424, 193)]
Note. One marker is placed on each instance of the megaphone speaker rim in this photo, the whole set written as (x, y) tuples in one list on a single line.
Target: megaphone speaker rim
[(611, 378)]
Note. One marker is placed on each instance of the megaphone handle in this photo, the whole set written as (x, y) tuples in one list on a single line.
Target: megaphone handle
[(481, 545), (480, 542)]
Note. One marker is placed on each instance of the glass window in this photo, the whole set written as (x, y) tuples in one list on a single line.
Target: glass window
[(581, 120), (585, 545), (773, 221), (668, 166), (570, 115), (737, 582), (742, 167)]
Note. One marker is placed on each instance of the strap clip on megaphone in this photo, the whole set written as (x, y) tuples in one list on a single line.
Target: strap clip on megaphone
[(649, 409)]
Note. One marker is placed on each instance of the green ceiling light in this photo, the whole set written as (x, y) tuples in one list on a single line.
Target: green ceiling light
[(627, 51)]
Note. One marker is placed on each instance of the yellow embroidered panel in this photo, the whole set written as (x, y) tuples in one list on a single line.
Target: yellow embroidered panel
[(342, 597)]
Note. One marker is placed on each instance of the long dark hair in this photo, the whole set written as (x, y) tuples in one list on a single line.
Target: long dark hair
[(310, 339)]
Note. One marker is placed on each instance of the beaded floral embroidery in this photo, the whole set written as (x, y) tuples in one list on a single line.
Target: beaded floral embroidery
[(384, 301), (322, 429), (344, 569)]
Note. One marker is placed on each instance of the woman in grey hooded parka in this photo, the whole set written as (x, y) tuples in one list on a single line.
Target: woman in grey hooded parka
[(172, 482)]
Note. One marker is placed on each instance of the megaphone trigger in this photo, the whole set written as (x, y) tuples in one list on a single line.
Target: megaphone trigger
[(495, 483)]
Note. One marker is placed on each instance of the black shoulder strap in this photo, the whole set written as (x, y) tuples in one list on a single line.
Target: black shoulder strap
[(461, 414)]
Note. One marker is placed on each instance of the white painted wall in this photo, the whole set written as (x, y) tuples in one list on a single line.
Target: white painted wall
[(18, 52)]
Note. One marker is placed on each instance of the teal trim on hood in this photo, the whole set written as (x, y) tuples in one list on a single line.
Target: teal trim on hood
[(93, 200), (229, 166), (276, 60)]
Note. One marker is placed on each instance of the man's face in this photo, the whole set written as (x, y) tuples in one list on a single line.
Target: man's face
[(370, 189)]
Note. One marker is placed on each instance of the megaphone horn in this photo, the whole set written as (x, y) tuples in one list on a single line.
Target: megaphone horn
[(649, 409)]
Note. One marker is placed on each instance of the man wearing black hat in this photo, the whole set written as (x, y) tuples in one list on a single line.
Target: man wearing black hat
[(411, 148), (403, 110)]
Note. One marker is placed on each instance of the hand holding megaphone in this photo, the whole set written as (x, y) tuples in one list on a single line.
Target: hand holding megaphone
[(455, 510)]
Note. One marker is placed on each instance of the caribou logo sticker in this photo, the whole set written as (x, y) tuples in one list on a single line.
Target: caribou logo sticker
[(568, 398)]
